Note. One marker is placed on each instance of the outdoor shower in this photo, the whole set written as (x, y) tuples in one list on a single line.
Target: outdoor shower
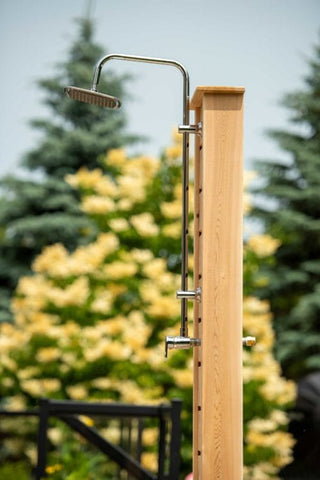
[(217, 270), (182, 341)]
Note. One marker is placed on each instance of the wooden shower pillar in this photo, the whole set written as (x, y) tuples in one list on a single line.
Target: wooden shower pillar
[(217, 410)]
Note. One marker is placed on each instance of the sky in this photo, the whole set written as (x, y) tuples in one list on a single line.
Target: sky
[(263, 45)]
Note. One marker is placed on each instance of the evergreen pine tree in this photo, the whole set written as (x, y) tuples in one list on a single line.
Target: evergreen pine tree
[(43, 209), (292, 215)]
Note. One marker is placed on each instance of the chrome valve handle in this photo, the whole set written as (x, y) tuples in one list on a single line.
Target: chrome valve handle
[(180, 343), (249, 341)]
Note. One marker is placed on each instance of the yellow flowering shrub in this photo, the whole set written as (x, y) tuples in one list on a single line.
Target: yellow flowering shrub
[(90, 324), (144, 224), (263, 245), (268, 446)]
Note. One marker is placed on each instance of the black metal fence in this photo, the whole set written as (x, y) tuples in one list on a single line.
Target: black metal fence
[(133, 418)]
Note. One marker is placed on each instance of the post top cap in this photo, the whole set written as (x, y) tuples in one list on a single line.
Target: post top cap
[(201, 90)]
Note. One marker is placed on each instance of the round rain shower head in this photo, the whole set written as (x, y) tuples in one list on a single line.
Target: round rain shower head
[(92, 97)]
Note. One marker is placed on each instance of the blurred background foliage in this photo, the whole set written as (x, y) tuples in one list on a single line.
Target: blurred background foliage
[(90, 324), (90, 262), (38, 208), (288, 207)]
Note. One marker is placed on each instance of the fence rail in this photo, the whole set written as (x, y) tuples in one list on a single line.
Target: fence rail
[(169, 420)]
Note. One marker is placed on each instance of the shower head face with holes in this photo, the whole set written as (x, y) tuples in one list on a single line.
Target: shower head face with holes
[(92, 97)]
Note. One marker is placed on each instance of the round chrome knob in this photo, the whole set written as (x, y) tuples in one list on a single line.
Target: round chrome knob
[(249, 341)]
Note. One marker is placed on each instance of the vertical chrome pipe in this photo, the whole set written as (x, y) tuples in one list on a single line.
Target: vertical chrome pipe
[(185, 221)]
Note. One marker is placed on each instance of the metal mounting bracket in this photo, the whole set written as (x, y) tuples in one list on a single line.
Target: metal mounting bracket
[(196, 129), (190, 294)]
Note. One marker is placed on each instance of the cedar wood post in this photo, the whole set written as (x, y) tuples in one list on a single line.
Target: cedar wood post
[(217, 410)]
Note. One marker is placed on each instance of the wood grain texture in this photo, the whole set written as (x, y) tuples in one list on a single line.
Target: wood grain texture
[(218, 271)]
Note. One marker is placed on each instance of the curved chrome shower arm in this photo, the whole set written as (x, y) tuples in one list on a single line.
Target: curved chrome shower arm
[(154, 60), (185, 163)]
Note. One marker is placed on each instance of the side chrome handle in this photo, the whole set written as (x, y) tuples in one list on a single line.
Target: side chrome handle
[(249, 341), (180, 343)]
